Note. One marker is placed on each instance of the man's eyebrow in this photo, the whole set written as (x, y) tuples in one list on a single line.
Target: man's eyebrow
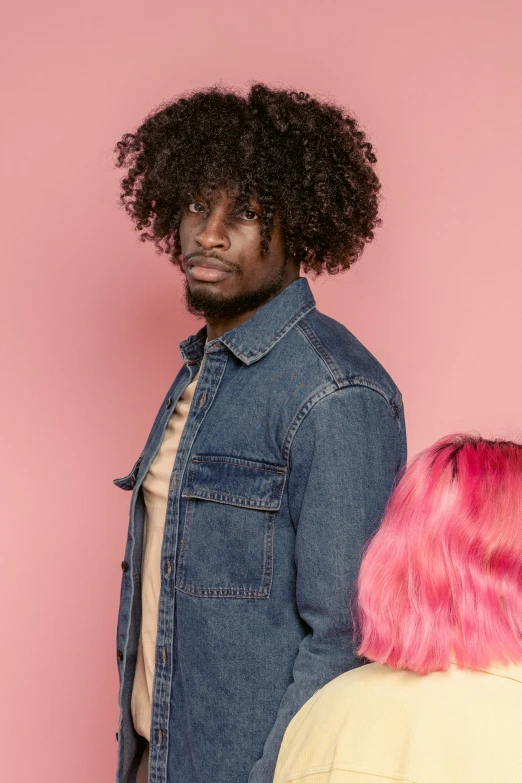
[(247, 203)]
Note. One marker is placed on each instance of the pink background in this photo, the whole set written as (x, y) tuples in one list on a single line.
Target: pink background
[(93, 317)]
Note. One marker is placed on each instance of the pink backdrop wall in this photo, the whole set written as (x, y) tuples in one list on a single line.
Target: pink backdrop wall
[(93, 317)]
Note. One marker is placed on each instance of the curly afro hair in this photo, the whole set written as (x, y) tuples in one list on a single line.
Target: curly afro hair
[(304, 160)]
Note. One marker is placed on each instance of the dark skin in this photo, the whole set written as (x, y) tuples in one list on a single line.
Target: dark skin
[(222, 259)]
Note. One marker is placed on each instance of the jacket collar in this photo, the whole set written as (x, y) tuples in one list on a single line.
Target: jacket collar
[(511, 671), (253, 339)]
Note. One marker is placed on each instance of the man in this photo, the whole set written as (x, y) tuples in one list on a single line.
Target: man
[(272, 457)]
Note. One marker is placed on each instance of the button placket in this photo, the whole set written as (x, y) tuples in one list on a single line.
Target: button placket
[(161, 697)]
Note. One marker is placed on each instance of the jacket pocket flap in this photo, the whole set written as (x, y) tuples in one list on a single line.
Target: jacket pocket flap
[(236, 482)]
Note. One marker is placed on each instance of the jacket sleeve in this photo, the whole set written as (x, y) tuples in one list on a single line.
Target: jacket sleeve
[(343, 461)]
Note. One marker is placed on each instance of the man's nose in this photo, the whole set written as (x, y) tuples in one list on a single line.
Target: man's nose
[(213, 233)]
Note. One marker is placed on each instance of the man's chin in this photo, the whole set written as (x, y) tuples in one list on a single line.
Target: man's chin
[(206, 302)]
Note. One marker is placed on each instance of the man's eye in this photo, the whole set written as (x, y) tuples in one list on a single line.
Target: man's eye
[(248, 214), (196, 206)]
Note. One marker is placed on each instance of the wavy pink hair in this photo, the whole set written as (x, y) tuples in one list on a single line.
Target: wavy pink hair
[(441, 580)]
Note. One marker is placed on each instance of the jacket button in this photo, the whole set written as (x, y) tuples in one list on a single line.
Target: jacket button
[(124, 566), (119, 655), (168, 403), (116, 736)]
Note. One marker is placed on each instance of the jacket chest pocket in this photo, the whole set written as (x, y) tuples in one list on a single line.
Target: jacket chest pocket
[(227, 543)]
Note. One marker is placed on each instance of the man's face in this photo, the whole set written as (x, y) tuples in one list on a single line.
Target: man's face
[(221, 247)]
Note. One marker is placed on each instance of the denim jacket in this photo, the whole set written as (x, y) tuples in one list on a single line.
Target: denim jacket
[(293, 440)]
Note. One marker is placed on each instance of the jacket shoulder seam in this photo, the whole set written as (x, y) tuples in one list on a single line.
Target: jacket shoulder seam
[(326, 391)]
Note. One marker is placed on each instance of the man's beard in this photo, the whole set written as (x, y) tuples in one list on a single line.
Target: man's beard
[(205, 304)]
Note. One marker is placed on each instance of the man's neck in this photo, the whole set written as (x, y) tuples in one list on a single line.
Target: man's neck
[(216, 327)]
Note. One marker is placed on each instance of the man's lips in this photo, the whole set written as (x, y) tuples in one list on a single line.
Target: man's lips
[(208, 270)]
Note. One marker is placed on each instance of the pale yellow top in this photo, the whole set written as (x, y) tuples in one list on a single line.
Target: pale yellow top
[(377, 725), (155, 493)]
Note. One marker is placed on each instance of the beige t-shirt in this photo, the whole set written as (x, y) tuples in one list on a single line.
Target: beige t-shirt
[(155, 493)]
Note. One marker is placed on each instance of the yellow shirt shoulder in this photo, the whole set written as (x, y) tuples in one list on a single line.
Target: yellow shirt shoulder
[(375, 724)]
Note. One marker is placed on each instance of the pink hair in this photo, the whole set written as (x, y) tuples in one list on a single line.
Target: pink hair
[(441, 580)]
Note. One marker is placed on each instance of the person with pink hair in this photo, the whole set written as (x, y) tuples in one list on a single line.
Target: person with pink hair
[(440, 615)]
